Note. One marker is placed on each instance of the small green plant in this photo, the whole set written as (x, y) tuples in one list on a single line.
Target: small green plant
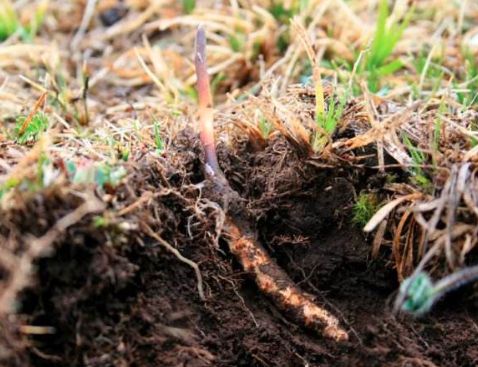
[(437, 130), (237, 41), (10, 24), (25, 131), (265, 127), (82, 115), (419, 158), (99, 174), (8, 185), (190, 92), (365, 207), (281, 13), (433, 68), (189, 6), (385, 39), (45, 176), (418, 293), (473, 140), (125, 153), (327, 122), (218, 79), (468, 97), (157, 137), (100, 222)]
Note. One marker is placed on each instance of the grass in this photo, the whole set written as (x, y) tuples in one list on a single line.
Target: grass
[(10, 22), (30, 131), (327, 122), (189, 6), (98, 174), (265, 127), (386, 36), (157, 137), (468, 96), (43, 178), (364, 208), (419, 159)]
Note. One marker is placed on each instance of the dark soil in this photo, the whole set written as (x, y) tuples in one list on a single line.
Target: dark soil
[(117, 298)]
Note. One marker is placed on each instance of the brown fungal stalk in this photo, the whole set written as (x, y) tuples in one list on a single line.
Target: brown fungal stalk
[(206, 127), (241, 234)]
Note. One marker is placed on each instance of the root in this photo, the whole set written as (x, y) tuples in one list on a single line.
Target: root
[(269, 277), (180, 257), (241, 235)]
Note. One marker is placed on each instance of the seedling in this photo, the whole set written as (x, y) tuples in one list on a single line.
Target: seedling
[(418, 293), (45, 176), (468, 98), (216, 81), (437, 130), (237, 41), (98, 174), (327, 122), (385, 39), (281, 13), (10, 23), (189, 6), (30, 131), (8, 185), (419, 158), (100, 222), (426, 63), (85, 119), (365, 207), (157, 137), (265, 127)]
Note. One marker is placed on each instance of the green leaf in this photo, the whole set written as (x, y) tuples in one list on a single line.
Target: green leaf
[(189, 6), (37, 125), (234, 42), (157, 137), (389, 68)]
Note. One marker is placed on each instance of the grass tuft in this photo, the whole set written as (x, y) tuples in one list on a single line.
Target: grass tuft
[(386, 36), (32, 131)]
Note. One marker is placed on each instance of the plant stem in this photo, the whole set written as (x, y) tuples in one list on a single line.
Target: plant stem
[(454, 281), (205, 102)]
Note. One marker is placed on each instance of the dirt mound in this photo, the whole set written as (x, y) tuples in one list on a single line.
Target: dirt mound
[(116, 297)]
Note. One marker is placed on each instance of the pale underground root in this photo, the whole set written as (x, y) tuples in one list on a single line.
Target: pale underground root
[(272, 281)]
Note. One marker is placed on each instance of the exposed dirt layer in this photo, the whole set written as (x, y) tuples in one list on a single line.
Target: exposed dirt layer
[(116, 297)]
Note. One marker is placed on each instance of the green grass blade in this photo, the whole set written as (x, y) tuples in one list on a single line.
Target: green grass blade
[(380, 35), (389, 68)]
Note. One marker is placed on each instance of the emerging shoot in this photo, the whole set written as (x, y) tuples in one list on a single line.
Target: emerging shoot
[(205, 102)]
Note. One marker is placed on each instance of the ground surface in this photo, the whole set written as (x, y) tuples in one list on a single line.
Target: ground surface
[(136, 305), (89, 206)]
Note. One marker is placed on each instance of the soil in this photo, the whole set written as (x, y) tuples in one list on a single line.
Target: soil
[(118, 298)]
